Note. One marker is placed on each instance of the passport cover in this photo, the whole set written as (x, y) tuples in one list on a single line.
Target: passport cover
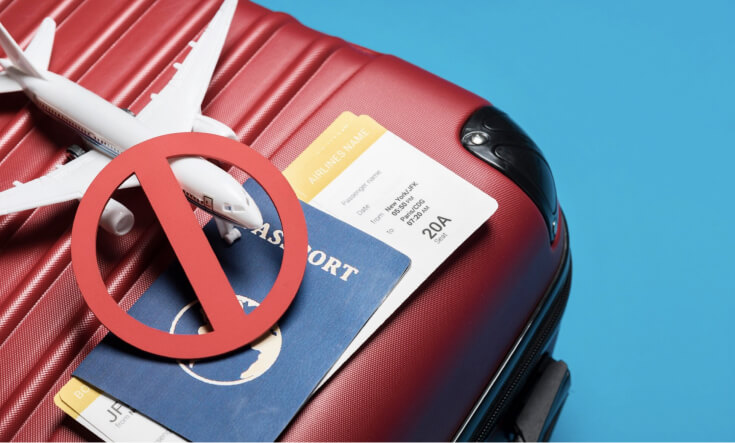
[(252, 393)]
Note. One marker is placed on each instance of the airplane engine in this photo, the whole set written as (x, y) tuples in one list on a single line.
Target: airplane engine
[(202, 123), (116, 218)]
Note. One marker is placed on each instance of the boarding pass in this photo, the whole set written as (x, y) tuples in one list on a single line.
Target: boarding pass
[(365, 175)]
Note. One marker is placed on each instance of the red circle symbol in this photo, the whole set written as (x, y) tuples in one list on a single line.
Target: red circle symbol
[(232, 327)]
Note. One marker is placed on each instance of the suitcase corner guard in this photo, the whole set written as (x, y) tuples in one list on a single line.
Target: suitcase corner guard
[(493, 137)]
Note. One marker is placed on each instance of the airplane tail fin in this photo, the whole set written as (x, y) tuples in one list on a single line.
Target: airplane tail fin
[(34, 61)]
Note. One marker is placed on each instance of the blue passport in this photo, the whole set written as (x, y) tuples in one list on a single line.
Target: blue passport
[(251, 393)]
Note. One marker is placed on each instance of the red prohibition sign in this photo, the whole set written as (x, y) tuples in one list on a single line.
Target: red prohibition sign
[(232, 328)]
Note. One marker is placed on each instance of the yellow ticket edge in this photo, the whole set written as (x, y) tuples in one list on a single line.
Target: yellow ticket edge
[(75, 397), (331, 153)]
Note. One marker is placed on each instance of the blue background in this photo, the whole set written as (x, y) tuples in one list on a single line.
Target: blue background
[(632, 103)]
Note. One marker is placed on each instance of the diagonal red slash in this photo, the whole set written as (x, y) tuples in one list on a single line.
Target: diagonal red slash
[(189, 243)]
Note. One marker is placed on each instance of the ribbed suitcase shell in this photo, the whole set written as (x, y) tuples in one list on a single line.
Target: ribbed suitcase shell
[(278, 85)]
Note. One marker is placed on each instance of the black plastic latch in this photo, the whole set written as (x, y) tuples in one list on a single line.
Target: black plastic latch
[(541, 410), (492, 136)]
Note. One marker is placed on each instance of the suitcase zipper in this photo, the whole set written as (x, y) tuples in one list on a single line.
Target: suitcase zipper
[(504, 388), (531, 356)]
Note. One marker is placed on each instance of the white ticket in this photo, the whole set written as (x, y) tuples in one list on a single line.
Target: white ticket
[(367, 176), (106, 417)]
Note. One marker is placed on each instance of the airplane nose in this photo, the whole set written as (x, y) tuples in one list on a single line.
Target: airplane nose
[(250, 218)]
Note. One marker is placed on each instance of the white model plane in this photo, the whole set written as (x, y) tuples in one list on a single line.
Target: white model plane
[(109, 130)]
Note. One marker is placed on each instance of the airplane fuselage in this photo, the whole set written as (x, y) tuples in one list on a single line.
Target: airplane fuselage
[(111, 130), (102, 125)]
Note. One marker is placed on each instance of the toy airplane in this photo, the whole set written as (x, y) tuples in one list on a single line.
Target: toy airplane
[(109, 130)]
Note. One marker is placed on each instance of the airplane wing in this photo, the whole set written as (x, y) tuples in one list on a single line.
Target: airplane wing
[(66, 182), (176, 106)]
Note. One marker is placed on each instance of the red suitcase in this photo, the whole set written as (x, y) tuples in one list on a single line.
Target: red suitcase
[(467, 356)]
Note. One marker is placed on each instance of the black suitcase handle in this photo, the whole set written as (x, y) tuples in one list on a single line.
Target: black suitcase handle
[(538, 416)]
